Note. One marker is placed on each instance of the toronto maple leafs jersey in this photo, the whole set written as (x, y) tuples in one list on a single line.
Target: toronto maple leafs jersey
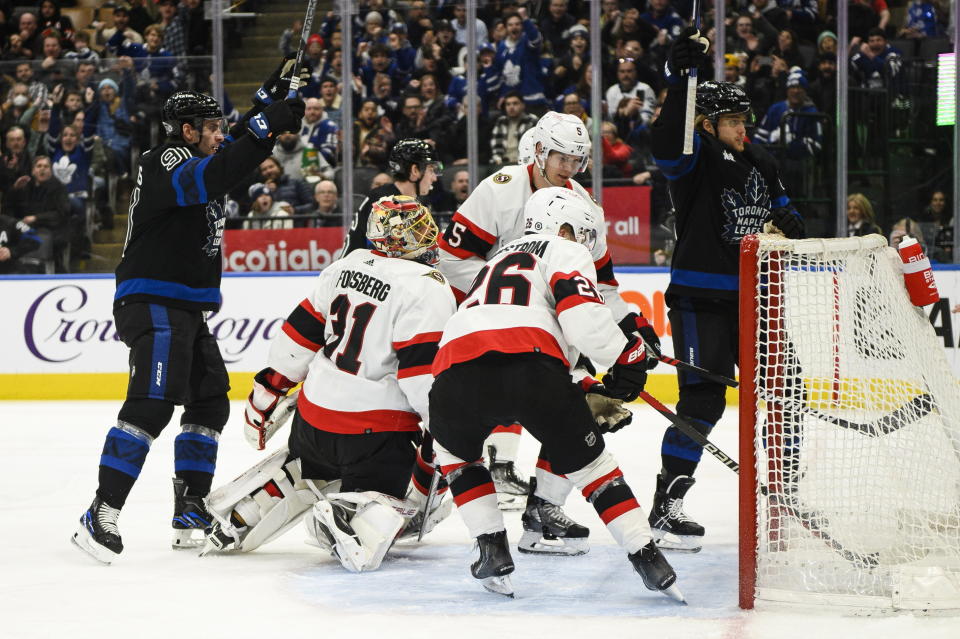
[(492, 216), (719, 195), (537, 294), (363, 343), (171, 255)]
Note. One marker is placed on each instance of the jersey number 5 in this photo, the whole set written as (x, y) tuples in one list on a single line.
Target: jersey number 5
[(348, 360)]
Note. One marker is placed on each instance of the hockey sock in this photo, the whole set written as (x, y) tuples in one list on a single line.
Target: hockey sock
[(195, 457), (550, 486), (423, 472), (506, 441), (475, 497), (603, 485), (124, 452), (679, 454)]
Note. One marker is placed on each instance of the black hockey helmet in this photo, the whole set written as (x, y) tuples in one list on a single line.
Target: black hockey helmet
[(188, 107), (721, 98), (410, 152)]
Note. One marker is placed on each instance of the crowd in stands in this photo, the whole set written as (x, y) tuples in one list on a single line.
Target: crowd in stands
[(81, 97)]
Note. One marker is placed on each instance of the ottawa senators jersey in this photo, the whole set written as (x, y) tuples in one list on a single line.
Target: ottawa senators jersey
[(363, 343), (492, 216), (538, 294)]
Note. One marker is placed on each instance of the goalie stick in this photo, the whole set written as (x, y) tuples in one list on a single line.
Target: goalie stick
[(914, 410), (687, 429)]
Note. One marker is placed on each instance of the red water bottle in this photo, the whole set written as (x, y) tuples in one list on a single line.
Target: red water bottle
[(917, 273)]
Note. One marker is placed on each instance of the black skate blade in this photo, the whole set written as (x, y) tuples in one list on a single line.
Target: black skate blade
[(498, 585)]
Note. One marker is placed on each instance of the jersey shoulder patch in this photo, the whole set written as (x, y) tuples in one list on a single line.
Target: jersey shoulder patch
[(173, 157), (502, 178), (436, 275)]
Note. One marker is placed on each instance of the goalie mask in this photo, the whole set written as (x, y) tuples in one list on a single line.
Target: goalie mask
[(563, 133), (549, 209), (400, 226)]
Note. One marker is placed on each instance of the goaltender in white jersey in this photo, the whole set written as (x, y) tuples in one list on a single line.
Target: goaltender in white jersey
[(362, 343)]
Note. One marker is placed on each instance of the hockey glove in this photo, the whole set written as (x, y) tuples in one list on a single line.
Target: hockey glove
[(277, 85), (269, 388), (788, 222), (689, 51), (633, 323), (279, 117), (609, 412), (628, 375)]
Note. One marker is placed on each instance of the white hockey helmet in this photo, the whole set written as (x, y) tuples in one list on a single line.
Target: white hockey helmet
[(527, 147), (564, 133), (400, 226), (550, 208)]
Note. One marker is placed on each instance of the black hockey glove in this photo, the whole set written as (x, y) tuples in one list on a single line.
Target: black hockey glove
[(276, 87), (633, 323), (279, 117), (688, 51), (789, 222), (609, 412), (628, 375)]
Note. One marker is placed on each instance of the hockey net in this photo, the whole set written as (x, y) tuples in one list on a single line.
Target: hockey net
[(849, 432)]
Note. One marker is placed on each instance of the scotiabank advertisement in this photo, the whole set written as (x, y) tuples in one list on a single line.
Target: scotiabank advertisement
[(279, 250)]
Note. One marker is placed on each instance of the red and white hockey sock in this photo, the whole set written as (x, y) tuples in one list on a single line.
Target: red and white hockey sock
[(550, 486), (506, 440), (603, 485), (473, 493)]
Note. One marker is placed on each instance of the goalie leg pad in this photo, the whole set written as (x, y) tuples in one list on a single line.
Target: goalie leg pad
[(361, 526)]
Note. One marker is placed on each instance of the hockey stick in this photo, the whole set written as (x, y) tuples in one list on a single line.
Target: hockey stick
[(691, 93), (692, 368), (431, 494), (914, 410), (687, 429), (304, 34)]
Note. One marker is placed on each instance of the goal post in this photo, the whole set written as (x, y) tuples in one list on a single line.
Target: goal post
[(849, 433)]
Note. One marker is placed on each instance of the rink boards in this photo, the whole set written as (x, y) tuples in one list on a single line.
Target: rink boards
[(60, 342)]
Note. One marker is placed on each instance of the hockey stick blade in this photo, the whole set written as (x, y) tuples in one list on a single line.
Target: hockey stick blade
[(431, 495), (913, 411), (687, 429), (691, 368)]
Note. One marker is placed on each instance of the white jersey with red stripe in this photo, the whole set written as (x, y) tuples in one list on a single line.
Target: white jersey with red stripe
[(537, 295), (492, 216), (363, 343)]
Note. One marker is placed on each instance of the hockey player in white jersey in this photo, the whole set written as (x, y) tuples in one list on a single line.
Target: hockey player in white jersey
[(362, 343), (506, 355), (493, 216)]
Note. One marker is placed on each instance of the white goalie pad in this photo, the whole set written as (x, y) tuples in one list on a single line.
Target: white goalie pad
[(359, 528), (269, 499)]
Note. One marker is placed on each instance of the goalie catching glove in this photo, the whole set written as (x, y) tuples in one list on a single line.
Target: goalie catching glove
[(261, 415), (628, 375), (609, 412)]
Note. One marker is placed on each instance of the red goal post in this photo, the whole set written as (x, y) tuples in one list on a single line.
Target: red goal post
[(849, 433)]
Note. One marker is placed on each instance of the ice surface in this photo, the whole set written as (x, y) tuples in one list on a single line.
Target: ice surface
[(49, 455)]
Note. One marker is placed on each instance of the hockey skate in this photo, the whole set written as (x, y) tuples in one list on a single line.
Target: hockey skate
[(656, 572), (671, 528), (548, 531), (189, 516), (98, 534), (511, 487), (495, 564)]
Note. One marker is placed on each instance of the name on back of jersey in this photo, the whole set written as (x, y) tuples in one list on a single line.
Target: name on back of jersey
[(364, 283), (535, 247)]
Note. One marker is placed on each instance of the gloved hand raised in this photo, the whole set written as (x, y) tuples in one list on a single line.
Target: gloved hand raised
[(279, 117), (276, 87), (688, 51)]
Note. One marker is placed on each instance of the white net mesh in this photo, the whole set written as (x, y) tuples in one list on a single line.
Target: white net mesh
[(857, 433)]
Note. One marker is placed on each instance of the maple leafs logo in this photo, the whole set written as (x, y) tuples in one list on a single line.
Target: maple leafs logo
[(745, 213), (64, 169)]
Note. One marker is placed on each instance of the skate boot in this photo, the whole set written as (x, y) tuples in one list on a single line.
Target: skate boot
[(511, 488), (671, 528), (656, 572), (189, 515), (98, 534), (548, 531), (495, 563)]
